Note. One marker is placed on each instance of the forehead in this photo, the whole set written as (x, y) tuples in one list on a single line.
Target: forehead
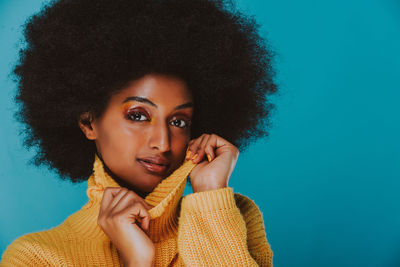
[(160, 89)]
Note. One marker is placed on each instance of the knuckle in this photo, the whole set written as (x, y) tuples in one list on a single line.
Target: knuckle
[(143, 206), (102, 221), (139, 206), (132, 193), (134, 197), (116, 218), (133, 203), (144, 212)]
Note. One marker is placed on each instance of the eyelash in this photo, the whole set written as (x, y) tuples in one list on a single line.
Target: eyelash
[(131, 114)]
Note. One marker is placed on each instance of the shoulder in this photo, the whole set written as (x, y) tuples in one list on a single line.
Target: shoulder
[(26, 250), (32, 249)]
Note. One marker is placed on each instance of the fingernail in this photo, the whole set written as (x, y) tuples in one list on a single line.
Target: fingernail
[(188, 154), (195, 156), (209, 158)]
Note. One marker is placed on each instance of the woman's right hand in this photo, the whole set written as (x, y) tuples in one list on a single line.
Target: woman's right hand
[(124, 219)]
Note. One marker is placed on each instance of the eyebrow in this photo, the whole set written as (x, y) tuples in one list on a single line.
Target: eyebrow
[(147, 101)]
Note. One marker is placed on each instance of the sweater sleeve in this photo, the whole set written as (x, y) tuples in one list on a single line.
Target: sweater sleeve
[(257, 242), (24, 251), (214, 231)]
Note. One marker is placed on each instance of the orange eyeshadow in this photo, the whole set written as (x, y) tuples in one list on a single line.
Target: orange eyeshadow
[(125, 106)]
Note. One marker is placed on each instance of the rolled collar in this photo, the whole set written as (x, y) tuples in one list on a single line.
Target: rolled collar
[(165, 198)]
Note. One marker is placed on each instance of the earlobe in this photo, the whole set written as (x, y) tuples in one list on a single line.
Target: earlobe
[(85, 123)]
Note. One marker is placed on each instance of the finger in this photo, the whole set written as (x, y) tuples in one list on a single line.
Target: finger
[(222, 146), (146, 220), (191, 141), (130, 198), (194, 146), (117, 197), (108, 196), (127, 199), (188, 153), (221, 141), (200, 148), (210, 147), (139, 214), (189, 149)]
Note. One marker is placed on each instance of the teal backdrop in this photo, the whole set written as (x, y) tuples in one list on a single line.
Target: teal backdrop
[(327, 178)]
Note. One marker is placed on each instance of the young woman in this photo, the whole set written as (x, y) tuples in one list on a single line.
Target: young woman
[(135, 96)]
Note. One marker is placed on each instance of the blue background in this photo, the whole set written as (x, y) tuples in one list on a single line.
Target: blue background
[(327, 178)]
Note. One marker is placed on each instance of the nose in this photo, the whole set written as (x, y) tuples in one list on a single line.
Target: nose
[(160, 136)]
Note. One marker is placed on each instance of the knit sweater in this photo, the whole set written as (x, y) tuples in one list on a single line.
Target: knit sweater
[(210, 228)]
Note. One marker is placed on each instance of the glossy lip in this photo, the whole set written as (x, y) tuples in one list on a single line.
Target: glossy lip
[(156, 160), (153, 167)]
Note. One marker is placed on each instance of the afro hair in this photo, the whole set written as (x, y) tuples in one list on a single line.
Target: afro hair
[(78, 53)]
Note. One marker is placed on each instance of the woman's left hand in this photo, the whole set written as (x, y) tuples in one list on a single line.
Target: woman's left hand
[(216, 160)]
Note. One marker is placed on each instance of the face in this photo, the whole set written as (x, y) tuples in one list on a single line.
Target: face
[(143, 134)]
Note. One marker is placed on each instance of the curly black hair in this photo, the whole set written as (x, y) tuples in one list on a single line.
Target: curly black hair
[(78, 53)]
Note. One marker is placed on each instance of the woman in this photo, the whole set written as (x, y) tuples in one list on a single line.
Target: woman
[(134, 96)]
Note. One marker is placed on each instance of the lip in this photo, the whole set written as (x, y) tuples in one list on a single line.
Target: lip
[(153, 167), (155, 160)]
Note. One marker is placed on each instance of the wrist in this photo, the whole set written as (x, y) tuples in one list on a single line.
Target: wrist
[(204, 188)]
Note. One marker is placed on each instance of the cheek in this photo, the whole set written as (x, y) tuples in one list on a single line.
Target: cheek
[(129, 137), (179, 144), (120, 137)]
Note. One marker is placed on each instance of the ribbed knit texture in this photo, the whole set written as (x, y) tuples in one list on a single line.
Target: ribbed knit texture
[(211, 228)]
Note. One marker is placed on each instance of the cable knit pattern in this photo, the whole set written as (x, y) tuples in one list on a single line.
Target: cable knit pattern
[(211, 228)]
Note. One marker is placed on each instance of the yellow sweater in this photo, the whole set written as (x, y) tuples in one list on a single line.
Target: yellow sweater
[(211, 228)]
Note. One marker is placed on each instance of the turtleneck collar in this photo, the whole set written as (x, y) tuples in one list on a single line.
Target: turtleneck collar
[(165, 199)]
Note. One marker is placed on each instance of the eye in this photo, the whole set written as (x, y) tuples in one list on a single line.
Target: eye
[(136, 116), (181, 123)]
